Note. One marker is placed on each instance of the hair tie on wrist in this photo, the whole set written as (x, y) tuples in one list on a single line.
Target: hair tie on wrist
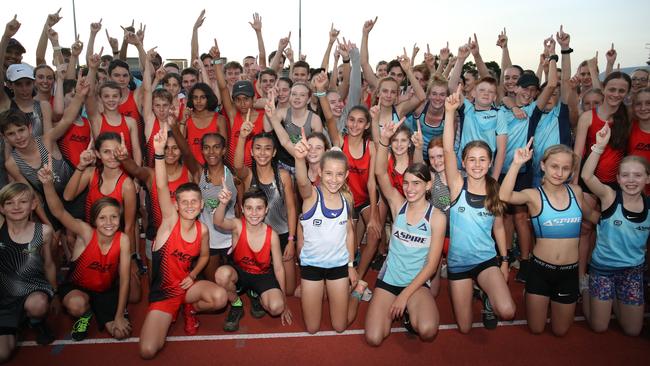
[(159, 156)]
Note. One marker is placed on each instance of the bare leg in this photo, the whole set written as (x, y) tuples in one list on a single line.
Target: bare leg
[(273, 301), (461, 301), (378, 318), (338, 294), (423, 314), (153, 334), (536, 312), (312, 303), (492, 282), (562, 316)]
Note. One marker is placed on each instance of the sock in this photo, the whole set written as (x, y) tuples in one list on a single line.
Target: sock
[(237, 302), (356, 295)]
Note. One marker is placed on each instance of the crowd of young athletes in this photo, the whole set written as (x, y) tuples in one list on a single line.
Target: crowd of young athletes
[(242, 179)]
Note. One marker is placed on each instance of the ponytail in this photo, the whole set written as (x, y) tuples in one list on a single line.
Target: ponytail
[(492, 201)]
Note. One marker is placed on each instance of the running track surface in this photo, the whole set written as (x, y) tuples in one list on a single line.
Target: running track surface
[(266, 342)]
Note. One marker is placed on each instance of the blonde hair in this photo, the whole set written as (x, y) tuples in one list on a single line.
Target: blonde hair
[(635, 159), (562, 149), (14, 189)]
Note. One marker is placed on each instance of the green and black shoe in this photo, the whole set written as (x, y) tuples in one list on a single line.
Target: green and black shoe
[(80, 327)]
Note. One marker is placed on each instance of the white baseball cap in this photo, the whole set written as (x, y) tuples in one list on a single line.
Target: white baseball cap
[(19, 71)]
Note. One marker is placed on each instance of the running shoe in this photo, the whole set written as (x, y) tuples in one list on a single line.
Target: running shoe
[(257, 310), (490, 319), (232, 319), (522, 273), (407, 323), (367, 295), (142, 268), (80, 327), (44, 336), (191, 322)]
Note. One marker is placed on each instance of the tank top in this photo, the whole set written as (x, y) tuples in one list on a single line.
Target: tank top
[(195, 134), (396, 178), (130, 108), (552, 223), (258, 127), (156, 212), (358, 173), (75, 141), (295, 135), (471, 225), (639, 145), (172, 263), (123, 128), (21, 265), (325, 234), (277, 214), (622, 236), (148, 156), (607, 167), (440, 197), (93, 270), (94, 192), (429, 132), (60, 168), (408, 249), (219, 239), (248, 260), (36, 117)]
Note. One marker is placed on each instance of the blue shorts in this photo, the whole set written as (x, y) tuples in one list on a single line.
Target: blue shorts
[(626, 285)]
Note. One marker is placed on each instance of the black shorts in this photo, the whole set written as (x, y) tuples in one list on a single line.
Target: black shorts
[(284, 240), (256, 282), (395, 290), (524, 180), (559, 283), (220, 252), (474, 272), (311, 273), (12, 313), (358, 209), (102, 304)]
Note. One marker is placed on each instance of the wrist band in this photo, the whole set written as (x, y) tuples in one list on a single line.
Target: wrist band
[(567, 51), (346, 61), (81, 170), (382, 144), (553, 58), (597, 149), (159, 156), (56, 48), (290, 238), (320, 94)]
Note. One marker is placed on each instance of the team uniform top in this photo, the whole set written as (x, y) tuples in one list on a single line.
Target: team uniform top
[(219, 239), (359, 173), (94, 191), (258, 127), (639, 145), (21, 265), (248, 260), (123, 129), (552, 223), (429, 132), (148, 156), (549, 128), (325, 234), (517, 132), (156, 212), (130, 109), (610, 159), (172, 263), (396, 178), (622, 237), (75, 141), (94, 270), (36, 117), (408, 249), (295, 135), (480, 125), (471, 232), (274, 191), (195, 134)]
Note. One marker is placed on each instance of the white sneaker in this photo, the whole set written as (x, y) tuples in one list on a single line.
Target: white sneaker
[(367, 295), (443, 271)]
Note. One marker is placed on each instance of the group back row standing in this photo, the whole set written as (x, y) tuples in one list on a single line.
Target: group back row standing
[(238, 173)]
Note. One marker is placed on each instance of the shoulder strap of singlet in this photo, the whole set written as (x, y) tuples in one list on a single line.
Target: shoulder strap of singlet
[(427, 215), (287, 117), (402, 209), (310, 114)]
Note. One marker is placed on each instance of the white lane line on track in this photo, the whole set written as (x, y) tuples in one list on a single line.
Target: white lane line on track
[(229, 337)]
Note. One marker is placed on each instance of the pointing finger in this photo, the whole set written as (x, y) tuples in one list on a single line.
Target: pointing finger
[(58, 11), (302, 132), (530, 143)]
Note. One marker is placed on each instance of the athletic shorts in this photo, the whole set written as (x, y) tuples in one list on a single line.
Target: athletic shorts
[(557, 282), (312, 273), (284, 241), (359, 208), (102, 304), (12, 313), (169, 306), (395, 290), (290, 169), (473, 272), (625, 284), (256, 282)]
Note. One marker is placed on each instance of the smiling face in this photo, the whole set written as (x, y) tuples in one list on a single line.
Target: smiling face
[(212, 150), (316, 150), (44, 80), (333, 174), (632, 177), (639, 80), (382, 71), (189, 204), (615, 91), (437, 96), (357, 123), (266, 82), (17, 136), (525, 95), (299, 96), (254, 210), (400, 143), (108, 220), (388, 93), (585, 77), (396, 73), (510, 78), (172, 86), (557, 168), (283, 91), (477, 162), (106, 154), (437, 159), (300, 74), (23, 88), (110, 98), (414, 187), (642, 106), (172, 151), (485, 94), (18, 207), (336, 104), (263, 151)]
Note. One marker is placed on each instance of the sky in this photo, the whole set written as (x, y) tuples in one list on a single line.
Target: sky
[(593, 26)]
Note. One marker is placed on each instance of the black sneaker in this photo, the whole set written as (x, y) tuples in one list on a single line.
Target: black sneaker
[(44, 336), (407, 323), (522, 273), (232, 319), (142, 268), (257, 310), (490, 319), (80, 327)]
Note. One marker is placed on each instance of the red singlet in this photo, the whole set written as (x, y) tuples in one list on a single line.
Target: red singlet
[(639, 145), (123, 128), (248, 260), (93, 270), (194, 135), (130, 108), (607, 167), (396, 178), (156, 212), (258, 127), (148, 157), (359, 173), (75, 141), (94, 192)]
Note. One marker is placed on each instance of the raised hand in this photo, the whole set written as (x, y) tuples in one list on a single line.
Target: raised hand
[(87, 158), (288, 53), (301, 148), (77, 47), (502, 39), (82, 87), (52, 35), (452, 102), (429, 58), (45, 174), (121, 153), (112, 41), (96, 27), (320, 81), (368, 25), (284, 42), (140, 32), (574, 82), (417, 139), (53, 18), (214, 50), (257, 22), (610, 55), (524, 154), (160, 140), (374, 112), (563, 39), (246, 127), (333, 34), (445, 53), (389, 128), (131, 37), (225, 195), (549, 46), (404, 61), (199, 21), (602, 136), (463, 51), (415, 52), (593, 61), (473, 46), (94, 60), (160, 73), (12, 26)]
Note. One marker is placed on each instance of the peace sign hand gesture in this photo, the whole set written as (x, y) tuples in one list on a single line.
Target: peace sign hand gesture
[(523, 155)]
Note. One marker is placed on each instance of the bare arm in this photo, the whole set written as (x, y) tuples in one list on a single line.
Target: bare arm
[(257, 27), (328, 50), (368, 72), (41, 48), (454, 178), (483, 71), (506, 190), (305, 187), (276, 64), (394, 198), (454, 77), (603, 191), (195, 36)]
